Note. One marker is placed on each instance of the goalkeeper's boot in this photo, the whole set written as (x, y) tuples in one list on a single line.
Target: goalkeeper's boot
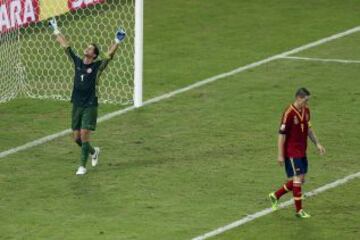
[(81, 171), (274, 201), (302, 214), (95, 156)]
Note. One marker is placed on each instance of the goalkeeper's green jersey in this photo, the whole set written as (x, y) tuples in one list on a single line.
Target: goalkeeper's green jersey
[(84, 93)]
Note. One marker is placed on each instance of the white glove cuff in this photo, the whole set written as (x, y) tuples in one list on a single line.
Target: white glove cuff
[(56, 32), (117, 41)]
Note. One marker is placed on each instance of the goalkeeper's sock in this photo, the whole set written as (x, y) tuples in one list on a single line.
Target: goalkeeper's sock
[(85, 149), (78, 142), (284, 189), (91, 149)]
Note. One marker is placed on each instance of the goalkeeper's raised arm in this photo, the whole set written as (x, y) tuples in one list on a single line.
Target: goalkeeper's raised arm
[(119, 37), (59, 36)]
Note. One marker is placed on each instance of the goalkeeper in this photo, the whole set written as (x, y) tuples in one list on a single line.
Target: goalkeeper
[(84, 94)]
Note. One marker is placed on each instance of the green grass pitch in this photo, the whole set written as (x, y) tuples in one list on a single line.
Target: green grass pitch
[(187, 165)]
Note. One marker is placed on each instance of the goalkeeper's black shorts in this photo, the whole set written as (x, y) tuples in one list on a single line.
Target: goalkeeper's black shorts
[(83, 118)]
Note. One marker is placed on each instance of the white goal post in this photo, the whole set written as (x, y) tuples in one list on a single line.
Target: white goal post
[(139, 52), (33, 65)]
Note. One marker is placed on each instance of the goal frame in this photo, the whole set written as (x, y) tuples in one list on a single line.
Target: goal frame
[(24, 88)]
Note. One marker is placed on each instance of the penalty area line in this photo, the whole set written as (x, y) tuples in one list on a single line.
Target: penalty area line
[(185, 89), (267, 211)]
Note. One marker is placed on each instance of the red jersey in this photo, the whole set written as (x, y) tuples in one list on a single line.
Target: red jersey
[(295, 125)]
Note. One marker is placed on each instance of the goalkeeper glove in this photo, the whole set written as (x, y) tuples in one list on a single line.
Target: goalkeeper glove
[(53, 25), (120, 35)]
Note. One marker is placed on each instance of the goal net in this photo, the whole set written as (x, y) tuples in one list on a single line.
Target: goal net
[(33, 64)]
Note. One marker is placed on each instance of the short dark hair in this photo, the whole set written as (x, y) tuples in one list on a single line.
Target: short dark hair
[(302, 92), (96, 50)]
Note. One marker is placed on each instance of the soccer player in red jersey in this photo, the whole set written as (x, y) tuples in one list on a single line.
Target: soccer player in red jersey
[(295, 128)]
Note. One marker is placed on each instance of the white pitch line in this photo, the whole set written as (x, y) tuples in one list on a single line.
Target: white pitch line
[(185, 89), (267, 211), (321, 59)]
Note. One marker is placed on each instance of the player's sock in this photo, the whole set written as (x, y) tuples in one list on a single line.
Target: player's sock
[(297, 196), (78, 142), (284, 189), (85, 148), (91, 149)]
